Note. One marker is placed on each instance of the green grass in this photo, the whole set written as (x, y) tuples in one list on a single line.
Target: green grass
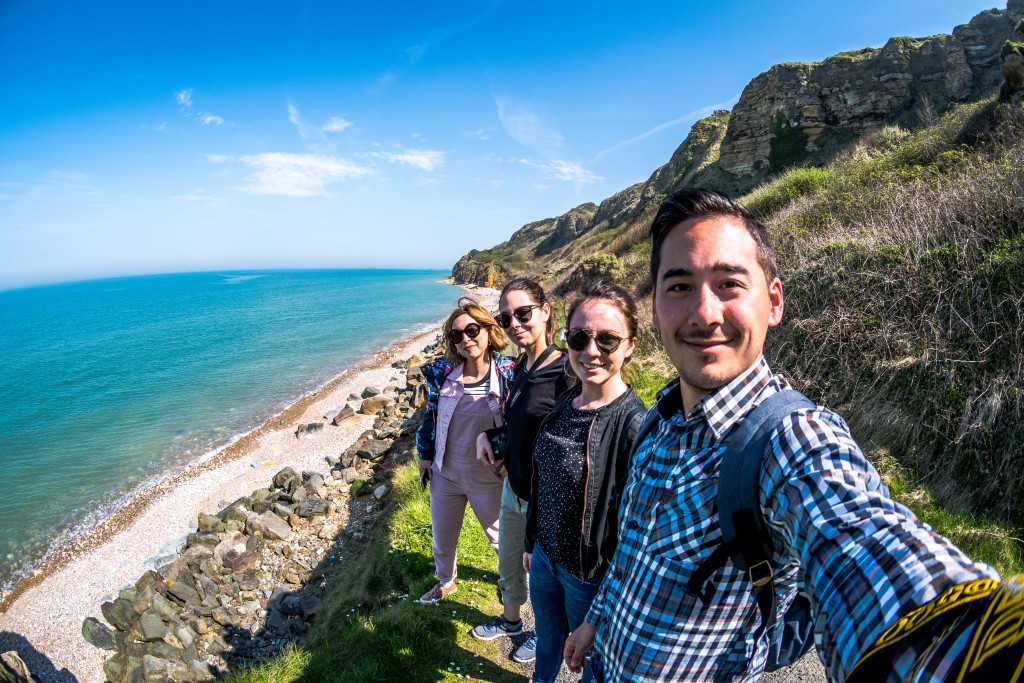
[(647, 379), (981, 539), (370, 628)]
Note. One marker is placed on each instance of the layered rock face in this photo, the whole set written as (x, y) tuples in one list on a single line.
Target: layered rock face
[(798, 112)]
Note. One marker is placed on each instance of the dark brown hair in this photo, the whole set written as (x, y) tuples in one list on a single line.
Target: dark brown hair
[(604, 289), (537, 296), (694, 203)]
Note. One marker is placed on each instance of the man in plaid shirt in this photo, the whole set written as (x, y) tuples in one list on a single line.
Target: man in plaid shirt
[(882, 586)]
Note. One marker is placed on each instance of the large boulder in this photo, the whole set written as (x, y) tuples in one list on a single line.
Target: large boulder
[(270, 526), (13, 669), (97, 634), (342, 415), (120, 614), (285, 478), (232, 554), (375, 404), (311, 507)]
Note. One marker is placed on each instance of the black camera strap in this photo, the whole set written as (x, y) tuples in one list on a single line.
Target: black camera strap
[(522, 379)]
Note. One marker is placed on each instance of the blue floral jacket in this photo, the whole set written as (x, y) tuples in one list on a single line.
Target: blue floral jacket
[(435, 374)]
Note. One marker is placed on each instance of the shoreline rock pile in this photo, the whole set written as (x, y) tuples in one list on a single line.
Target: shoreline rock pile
[(248, 582)]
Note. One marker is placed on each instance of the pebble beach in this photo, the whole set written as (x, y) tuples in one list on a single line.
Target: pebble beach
[(43, 617)]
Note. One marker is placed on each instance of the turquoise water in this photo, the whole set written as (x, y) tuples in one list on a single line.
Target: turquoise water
[(106, 384)]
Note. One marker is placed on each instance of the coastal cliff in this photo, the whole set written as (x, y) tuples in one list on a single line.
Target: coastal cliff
[(795, 114)]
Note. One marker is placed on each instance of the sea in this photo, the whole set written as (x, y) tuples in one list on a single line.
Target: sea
[(106, 386)]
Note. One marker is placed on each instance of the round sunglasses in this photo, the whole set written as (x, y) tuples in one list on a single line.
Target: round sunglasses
[(471, 330), (522, 314), (578, 339)]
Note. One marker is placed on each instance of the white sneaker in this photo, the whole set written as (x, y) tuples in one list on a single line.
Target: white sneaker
[(527, 652)]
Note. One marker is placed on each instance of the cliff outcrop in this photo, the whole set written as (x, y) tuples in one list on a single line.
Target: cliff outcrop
[(792, 114), (805, 113)]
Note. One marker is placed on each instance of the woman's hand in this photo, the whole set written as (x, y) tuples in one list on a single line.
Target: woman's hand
[(425, 465), (483, 449), (526, 562)]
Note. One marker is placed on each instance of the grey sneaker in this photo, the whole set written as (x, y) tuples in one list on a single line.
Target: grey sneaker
[(497, 627), (527, 652)]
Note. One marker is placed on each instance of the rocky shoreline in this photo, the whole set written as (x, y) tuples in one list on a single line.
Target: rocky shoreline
[(246, 585)]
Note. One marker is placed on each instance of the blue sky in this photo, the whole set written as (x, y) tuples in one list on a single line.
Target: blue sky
[(142, 137)]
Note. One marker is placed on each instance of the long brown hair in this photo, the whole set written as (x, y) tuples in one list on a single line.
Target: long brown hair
[(537, 296), (496, 339)]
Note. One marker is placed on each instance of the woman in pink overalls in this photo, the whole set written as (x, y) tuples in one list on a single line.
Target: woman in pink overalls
[(466, 389)]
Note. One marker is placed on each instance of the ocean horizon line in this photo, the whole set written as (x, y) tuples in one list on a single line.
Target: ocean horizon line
[(4, 288)]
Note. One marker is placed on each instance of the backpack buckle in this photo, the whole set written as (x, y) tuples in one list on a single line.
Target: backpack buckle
[(761, 573)]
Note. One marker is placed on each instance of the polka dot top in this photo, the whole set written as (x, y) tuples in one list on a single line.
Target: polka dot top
[(560, 454)]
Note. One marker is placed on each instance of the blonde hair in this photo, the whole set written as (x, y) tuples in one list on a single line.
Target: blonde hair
[(496, 339)]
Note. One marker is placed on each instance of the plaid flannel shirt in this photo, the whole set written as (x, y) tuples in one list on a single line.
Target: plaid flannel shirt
[(861, 558)]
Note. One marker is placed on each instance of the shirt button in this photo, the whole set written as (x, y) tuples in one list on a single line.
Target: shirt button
[(617, 574), (632, 525)]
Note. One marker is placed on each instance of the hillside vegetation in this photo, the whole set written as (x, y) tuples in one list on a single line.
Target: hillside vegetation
[(903, 265)]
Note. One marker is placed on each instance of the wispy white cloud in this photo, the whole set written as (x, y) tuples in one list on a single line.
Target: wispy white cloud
[(527, 127), (191, 197), (478, 134), (336, 124), (423, 159), (566, 171), (294, 175), (217, 158), (184, 100), (689, 117), (306, 130)]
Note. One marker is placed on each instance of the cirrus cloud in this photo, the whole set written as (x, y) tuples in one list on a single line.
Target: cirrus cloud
[(528, 128), (423, 159), (336, 124), (565, 170), (294, 175)]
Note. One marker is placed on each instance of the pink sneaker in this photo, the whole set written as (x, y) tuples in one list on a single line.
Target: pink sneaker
[(437, 594)]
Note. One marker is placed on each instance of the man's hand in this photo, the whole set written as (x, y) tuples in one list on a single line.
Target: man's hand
[(576, 646), (483, 449), (425, 465), (526, 562)]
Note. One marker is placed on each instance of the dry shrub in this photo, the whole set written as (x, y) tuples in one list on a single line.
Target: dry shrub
[(905, 304)]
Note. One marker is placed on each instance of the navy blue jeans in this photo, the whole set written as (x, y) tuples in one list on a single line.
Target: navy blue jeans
[(560, 601)]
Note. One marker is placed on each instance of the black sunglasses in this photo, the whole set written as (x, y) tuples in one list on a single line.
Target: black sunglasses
[(579, 339), (471, 330), (522, 314)]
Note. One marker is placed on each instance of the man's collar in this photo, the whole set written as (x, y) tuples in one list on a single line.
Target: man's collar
[(722, 407)]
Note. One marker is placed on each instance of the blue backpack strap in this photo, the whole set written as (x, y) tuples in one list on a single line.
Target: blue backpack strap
[(745, 537)]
